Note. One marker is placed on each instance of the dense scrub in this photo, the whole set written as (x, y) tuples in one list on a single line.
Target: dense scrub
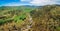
[(46, 18)]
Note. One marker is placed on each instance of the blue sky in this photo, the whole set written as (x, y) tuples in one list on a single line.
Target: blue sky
[(28, 2)]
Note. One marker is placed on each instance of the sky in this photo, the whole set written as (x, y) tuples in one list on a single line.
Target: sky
[(28, 2)]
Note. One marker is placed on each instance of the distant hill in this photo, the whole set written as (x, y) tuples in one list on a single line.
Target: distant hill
[(46, 18)]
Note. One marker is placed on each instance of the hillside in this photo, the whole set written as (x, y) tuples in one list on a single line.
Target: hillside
[(46, 18), (14, 17), (30, 18)]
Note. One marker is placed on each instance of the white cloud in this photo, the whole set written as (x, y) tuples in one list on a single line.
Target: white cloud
[(57, 0), (25, 0), (34, 2), (15, 4), (12, 4), (42, 2)]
